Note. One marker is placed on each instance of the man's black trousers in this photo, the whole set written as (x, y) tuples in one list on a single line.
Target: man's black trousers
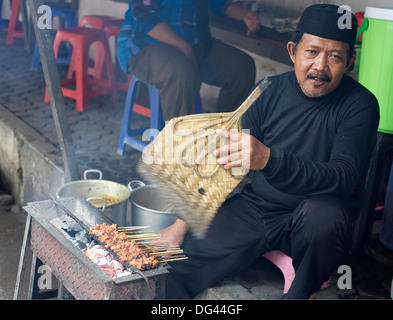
[(317, 234)]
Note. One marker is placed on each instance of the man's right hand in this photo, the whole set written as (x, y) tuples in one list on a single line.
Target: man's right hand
[(174, 234), (187, 50)]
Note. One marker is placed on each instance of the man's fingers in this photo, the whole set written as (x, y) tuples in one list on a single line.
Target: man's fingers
[(232, 164), (234, 145), (228, 149), (233, 135), (231, 158)]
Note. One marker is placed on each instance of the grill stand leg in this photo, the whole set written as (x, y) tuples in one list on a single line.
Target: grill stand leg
[(63, 293), (33, 291), (26, 238)]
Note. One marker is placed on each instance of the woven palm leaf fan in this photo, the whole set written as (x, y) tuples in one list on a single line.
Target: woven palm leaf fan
[(180, 162)]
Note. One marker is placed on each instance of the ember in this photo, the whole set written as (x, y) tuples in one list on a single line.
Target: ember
[(106, 261)]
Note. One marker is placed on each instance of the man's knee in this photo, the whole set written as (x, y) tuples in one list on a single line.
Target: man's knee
[(322, 217)]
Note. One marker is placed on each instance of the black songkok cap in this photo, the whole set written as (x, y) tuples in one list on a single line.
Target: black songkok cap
[(327, 21)]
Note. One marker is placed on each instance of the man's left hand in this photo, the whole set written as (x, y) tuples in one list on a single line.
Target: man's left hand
[(243, 151)]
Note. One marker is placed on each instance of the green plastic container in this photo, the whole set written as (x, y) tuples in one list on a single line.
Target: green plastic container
[(376, 61)]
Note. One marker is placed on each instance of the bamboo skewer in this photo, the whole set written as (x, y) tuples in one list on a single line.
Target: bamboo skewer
[(175, 259), (144, 236), (146, 239), (133, 227), (168, 253)]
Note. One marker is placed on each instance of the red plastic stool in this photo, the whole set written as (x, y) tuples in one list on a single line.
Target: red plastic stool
[(122, 80), (14, 28), (98, 22), (81, 39), (284, 263)]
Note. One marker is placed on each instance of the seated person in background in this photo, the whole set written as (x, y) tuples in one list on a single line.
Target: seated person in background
[(312, 135), (168, 44)]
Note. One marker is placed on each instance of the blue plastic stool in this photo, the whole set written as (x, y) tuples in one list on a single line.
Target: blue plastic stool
[(70, 19), (127, 135)]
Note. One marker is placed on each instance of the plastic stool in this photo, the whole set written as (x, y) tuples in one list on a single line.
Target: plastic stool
[(81, 39), (155, 113), (284, 263), (70, 19), (100, 22), (14, 28), (122, 80), (97, 22)]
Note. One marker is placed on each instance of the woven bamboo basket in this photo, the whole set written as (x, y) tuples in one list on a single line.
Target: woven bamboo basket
[(180, 162)]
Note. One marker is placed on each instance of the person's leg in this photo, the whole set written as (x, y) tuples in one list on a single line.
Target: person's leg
[(230, 69), (168, 69), (234, 240), (319, 237)]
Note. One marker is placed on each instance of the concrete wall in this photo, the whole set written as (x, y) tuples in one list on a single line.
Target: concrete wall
[(31, 168), (103, 7)]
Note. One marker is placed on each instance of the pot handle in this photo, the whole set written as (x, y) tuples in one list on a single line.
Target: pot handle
[(140, 184), (98, 198), (92, 170), (362, 28)]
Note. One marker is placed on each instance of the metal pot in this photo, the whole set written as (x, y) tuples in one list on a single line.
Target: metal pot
[(110, 196), (148, 208)]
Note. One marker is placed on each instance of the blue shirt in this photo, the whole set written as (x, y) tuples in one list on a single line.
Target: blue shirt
[(143, 15)]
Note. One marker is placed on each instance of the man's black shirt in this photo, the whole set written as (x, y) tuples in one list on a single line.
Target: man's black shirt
[(319, 145)]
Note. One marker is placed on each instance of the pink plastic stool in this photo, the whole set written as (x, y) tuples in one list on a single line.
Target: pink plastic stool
[(284, 263)]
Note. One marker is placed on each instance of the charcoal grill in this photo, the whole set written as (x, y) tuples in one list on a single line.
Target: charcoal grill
[(69, 264)]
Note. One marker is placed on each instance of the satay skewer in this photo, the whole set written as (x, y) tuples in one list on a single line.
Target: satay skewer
[(137, 231), (167, 253), (144, 236), (133, 227), (175, 259)]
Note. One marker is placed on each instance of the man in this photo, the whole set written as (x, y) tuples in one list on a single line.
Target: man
[(312, 136), (168, 44)]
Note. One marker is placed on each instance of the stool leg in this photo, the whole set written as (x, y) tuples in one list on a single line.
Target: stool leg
[(128, 109), (156, 118), (284, 263), (13, 23), (36, 59), (81, 64), (198, 105), (110, 71), (71, 67), (99, 54)]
